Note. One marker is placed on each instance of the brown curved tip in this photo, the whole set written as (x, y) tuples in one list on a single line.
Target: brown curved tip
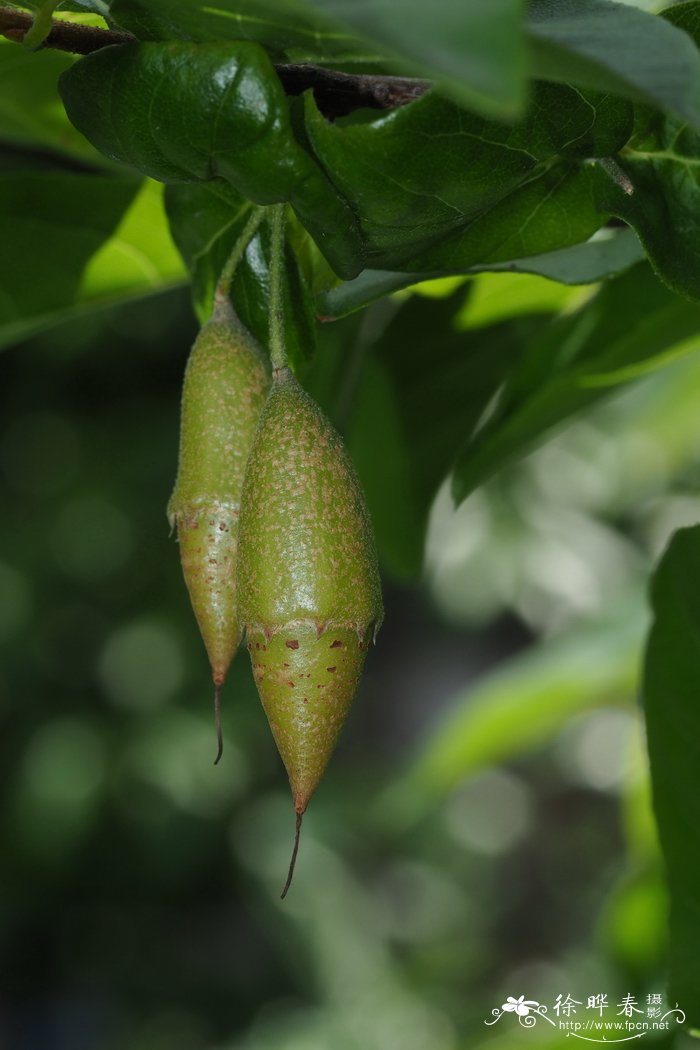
[(292, 863), (217, 723)]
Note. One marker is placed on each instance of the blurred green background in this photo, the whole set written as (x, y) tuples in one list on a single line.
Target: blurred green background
[(484, 828)]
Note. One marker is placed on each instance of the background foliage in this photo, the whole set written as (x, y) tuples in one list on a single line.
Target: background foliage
[(509, 263)]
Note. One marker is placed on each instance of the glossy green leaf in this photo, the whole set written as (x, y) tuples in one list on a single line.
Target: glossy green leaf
[(631, 327), (662, 200), (186, 112), (671, 677), (290, 30), (437, 189), (586, 263), (475, 50), (72, 243), (615, 47), (205, 221)]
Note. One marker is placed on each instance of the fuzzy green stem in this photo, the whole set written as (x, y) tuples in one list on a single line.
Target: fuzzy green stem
[(223, 285), (41, 26), (278, 352)]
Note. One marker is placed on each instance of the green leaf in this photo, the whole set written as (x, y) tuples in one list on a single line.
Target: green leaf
[(585, 263), (288, 29), (631, 327), (31, 113), (387, 480), (595, 260), (431, 371), (437, 189), (186, 112), (615, 47), (671, 677), (421, 392), (524, 703), (72, 243), (662, 202), (476, 50), (95, 7), (495, 298), (206, 221), (552, 212)]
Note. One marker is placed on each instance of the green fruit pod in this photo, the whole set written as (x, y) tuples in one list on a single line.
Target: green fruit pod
[(310, 596), (224, 391)]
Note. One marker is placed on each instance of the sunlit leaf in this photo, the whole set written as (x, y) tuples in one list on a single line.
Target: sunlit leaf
[(72, 243), (585, 263), (31, 112), (523, 704), (631, 327)]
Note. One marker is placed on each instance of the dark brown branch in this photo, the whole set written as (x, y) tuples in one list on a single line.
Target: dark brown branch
[(336, 93), (339, 93), (65, 36)]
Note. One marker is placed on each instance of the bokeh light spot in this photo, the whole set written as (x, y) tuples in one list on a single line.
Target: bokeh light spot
[(595, 749), (491, 813), (141, 666)]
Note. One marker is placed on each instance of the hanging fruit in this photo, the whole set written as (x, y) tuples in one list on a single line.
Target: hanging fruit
[(226, 382), (309, 592), (310, 599)]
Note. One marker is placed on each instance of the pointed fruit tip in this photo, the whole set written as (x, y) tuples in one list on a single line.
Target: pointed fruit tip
[(292, 863), (218, 682)]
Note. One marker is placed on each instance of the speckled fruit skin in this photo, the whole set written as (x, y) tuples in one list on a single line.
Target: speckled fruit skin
[(226, 384), (310, 597)]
